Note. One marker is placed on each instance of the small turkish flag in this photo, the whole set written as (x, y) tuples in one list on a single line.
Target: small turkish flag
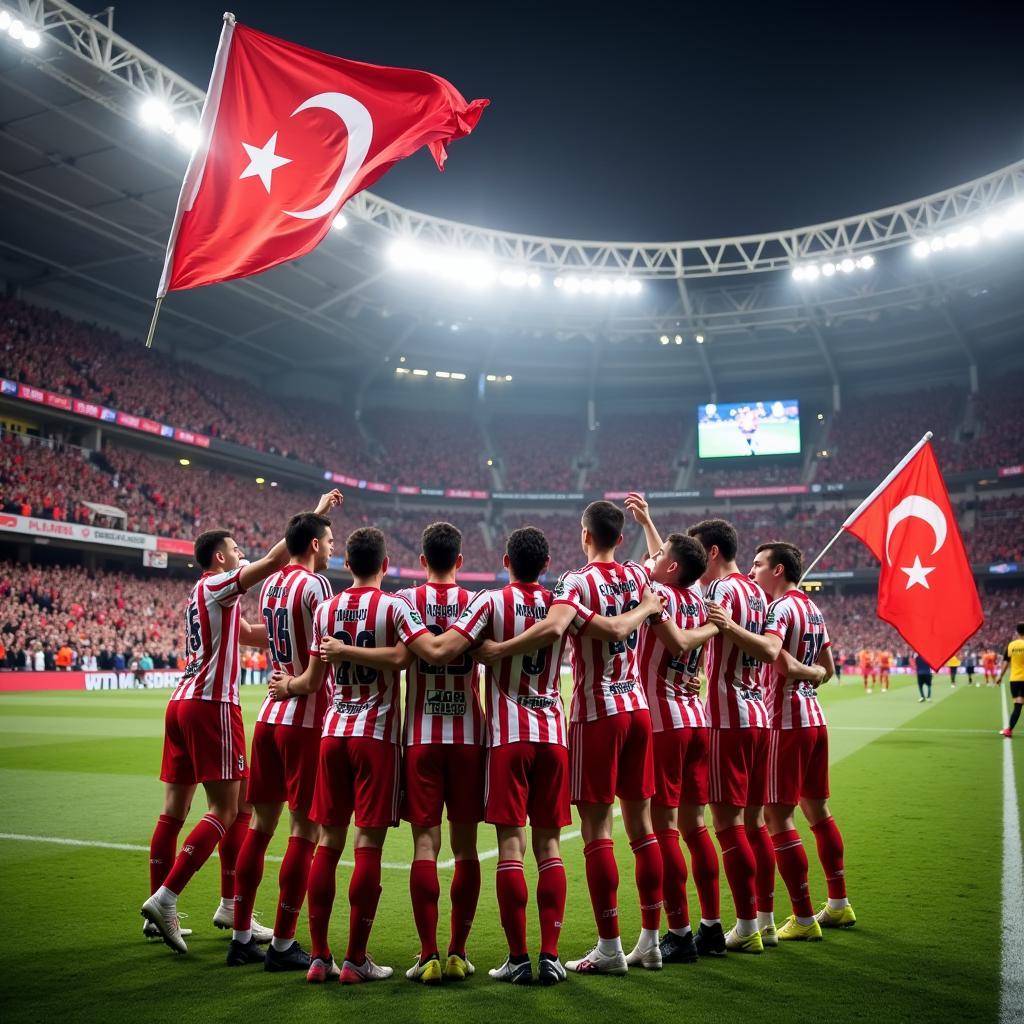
[(290, 134), (925, 588)]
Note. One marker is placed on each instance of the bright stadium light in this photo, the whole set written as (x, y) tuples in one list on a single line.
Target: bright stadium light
[(340, 222), (16, 29), (31, 39), (5, 20), (811, 273), (828, 269), (866, 262), (847, 266), (602, 285), (156, 113), (699, 338), (492, 377), (678, 339), (186, 134), (664, 339), (421, 373), (458, 376), (444, 374), (937, 244), (922, 250)]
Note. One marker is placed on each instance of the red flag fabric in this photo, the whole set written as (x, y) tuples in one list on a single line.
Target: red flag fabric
[(926, 588), (289, 135)]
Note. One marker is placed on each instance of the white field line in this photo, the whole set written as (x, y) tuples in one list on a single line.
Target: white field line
[(135, 848), (1011, 1005)]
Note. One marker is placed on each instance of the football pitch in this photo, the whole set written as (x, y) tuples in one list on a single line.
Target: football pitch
[(917, 789), (723, 440)]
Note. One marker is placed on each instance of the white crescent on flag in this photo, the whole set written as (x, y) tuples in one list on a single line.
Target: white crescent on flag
[(914, 506)]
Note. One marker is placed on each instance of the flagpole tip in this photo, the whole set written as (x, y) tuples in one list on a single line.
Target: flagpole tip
[(928, 435), (229, 17)]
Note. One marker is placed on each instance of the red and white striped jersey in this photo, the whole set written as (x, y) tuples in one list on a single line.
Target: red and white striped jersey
[(666, 677), (442, 702), (366, 700), (735, 700), (213, 618), (605, 674), (798, 621), (288, 601), (523, 700)]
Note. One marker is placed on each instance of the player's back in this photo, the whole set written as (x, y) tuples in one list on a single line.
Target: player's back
[(288, 603), (667, 678), (798, 622), (523, 699), (365, 702), (213, 619), (1015, 656), (606, 674), (442, 702), (734, 696)]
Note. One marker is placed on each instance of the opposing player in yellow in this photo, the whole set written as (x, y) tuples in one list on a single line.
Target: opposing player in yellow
[(1013, 659)]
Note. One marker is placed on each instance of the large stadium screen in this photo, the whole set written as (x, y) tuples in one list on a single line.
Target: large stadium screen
[(725, 431)]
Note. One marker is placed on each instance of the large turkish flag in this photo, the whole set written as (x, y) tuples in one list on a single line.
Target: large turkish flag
[(289, 134), (925, 588)]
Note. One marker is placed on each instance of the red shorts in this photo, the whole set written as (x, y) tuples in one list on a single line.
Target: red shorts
[(681, 767), (204, 741), (528, 780), (360, 774), (283, 765), (738, 766), (797, 765), (439, 775), (612, 757)]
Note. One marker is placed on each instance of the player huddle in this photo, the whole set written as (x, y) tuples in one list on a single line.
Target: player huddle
[(329, 742)]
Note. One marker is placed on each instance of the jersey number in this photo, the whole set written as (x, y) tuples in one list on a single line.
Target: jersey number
[(617, 646), (345, 672), (812, 647), (458, 667), (194, 636), (535, 663), (276, 621), (688, 665)]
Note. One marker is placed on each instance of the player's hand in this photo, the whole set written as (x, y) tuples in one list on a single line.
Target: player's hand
[(637, 504), (277, 685), (653, 602), (332, 650), (488, 653), (332, 499), (693, 687), (717, 615)]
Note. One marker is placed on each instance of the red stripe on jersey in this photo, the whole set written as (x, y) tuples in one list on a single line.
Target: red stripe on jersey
[(798, 621), (734, 696)]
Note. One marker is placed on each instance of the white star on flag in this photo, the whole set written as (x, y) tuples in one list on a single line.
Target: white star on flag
[(263, 161), (917, 573)]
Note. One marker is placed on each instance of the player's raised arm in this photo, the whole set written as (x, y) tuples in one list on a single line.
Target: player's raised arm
[(256, 572), (637, 504)]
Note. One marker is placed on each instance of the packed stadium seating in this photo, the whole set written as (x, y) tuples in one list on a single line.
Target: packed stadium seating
[(537, 453), (644, 447)]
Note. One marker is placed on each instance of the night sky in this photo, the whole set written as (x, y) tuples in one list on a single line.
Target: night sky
[(668, 121)]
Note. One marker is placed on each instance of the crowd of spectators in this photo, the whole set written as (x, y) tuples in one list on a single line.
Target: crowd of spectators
[(538, 453), (998, 531), (629, 446), (995, 436), (710, 476)]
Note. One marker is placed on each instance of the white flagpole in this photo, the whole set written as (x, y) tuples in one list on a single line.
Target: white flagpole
[(197, 162), (852, 517)]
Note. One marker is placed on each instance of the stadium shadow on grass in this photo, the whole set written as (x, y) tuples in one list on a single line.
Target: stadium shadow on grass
[(921, 814)]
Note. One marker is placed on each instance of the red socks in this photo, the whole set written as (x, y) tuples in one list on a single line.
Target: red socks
[(293, 880), (792, 860), (195, 852), (465, 893), (425, 891), (229, 847), (649, 871), (363, 897), (321, 899), (550, 903), (740, 870), (162, 848), (704, 862), (248, 875), (676, 910), (512, 896), (830, 852), (764, 857), (603, 883)]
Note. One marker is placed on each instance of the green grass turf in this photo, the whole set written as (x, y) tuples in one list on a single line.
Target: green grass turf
[(725, 441), (916, 792)]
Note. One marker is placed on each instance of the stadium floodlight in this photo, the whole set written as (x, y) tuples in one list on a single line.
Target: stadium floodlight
[(401, 369), (811, 273), (922, 250), (5, 20), (952, 239), (699, 338), (186, 133), (533, 280), (492, 377), (993, 227), (937, 244), (261, 480), (866, 262), (678, 339), (828, 269), (508, 376), (664, 339), (156, 113), (340, 222), (184, 462), (513, 277), (16, 29), (458, 376), (847, 266), (1015, 216), (421, 373), (970, 235), (31, 39), (635, 287), (444, 374)]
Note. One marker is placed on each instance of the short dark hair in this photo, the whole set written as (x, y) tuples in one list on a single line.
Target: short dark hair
[(365, 551), (528, 553), (604, 521), (691, 556), (717, 532), (789, 556), (303, 529), (1020, 628), (442, 545), (207, 545)]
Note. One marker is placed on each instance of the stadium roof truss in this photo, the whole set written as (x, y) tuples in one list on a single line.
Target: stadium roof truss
[(67, 167)]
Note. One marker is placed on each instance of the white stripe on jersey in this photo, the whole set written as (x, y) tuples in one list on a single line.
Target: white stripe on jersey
[(442, 702), (213, 619), (523, 699), (365, 700), (798, 621), (288, 601), (665, 678), (735, 700), (605, 674)]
